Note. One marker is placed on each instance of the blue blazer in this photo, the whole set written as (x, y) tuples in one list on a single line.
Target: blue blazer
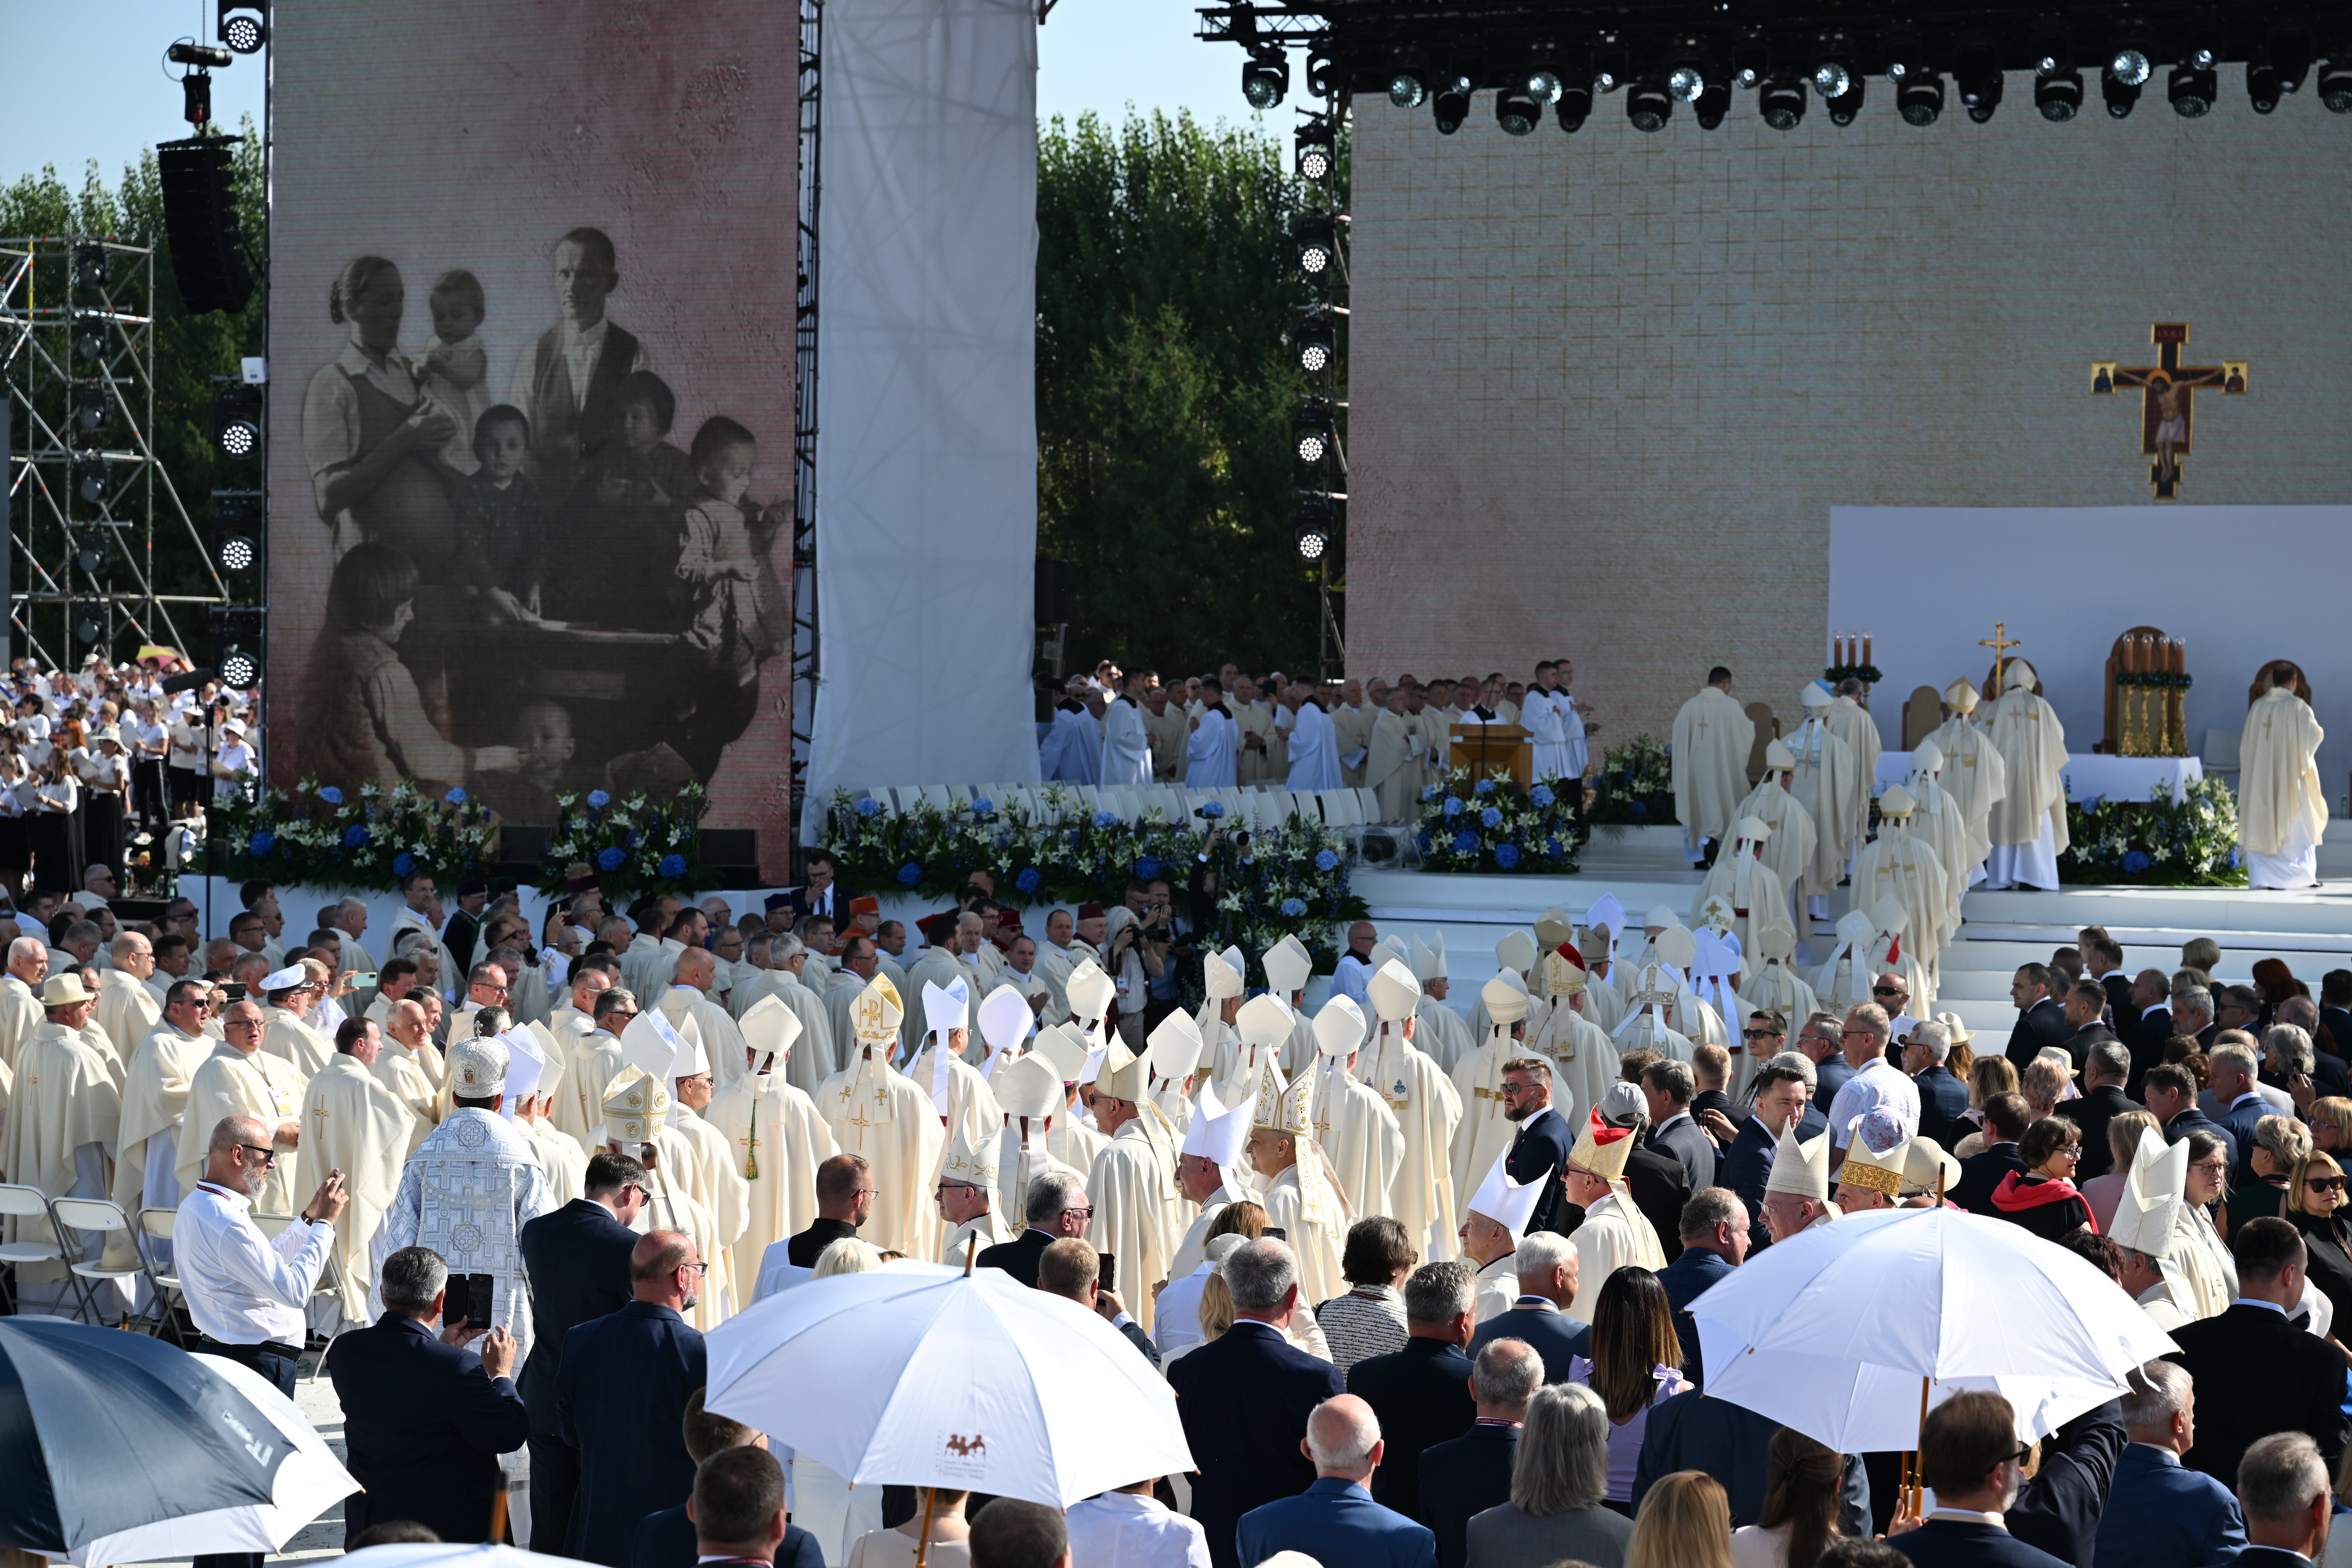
[(1949, 1544), (2195, 1120), (1554, 1334), (621, 1396), (1243, 1398), (1686, 1279), (1829, 1077), (666, 1539), (578, 1261), (1465, 1476), (424, 1427), (1747, 1166), (1942, 1098), (1691, 1432), (1539, 1153), (1687, 1144), (2238, 1120), (2162, 1514), (1980, 1174), (1335, 1521), (1422, 1396)]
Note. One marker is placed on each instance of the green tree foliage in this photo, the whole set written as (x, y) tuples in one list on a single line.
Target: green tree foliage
[(189, 351), (1165, 297)]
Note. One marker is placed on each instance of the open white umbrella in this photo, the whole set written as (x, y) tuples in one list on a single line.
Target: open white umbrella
[(437, 1554), (1848, 1332), (919, 1375)]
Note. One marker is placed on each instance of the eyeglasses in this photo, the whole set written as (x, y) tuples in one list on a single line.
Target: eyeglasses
[(2325, 1183), (1760, 1034), (268, 1156), (2220, 1167), (698, 1267), (1844, 1034), (1086, 1213), (1886, 990)]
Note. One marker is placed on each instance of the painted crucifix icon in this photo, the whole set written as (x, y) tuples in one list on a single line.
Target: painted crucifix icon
[(2168, 406)]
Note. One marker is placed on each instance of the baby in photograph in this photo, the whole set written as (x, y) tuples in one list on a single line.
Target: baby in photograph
[(457, 367)]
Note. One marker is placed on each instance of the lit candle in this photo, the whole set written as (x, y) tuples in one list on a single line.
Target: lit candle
[(1865, 647), (2179, 656)]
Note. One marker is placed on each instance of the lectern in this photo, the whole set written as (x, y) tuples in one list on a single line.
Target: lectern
[(1483, 748)]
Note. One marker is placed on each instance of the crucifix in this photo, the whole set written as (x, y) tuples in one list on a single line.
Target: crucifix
[(2000, 642), (2167, 404)]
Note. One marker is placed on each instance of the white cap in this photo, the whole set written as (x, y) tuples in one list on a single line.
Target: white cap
[(286, 979), (1506, 997), (1507, 1202), (1801, 1167), (1516, 952), (1287, 963), (1090, 992), (1221, 974), (1814, 695), (1338, 1028), (946, 1007), (1217, 1134)]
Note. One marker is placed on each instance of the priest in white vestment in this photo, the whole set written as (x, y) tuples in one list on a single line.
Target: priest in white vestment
[(1353, 1124), (127, 1008), (290, 992), (878, 1112), (1391, 761), (2028, 824), (1132, 1184), (155, 1101), (65, 1117), (1546, 714), (1747, 883), (1615, 1234), (1211, 753), (1126, 740), (1712, 735), (2282, 805), (637, 1115), (240, 1078), (1314, 748), (967, 1197), (1426, 1106), (1487, 1129), (1299, 1196), (1071, 751), (1828, 783), (1493, 1226), (1936, 820), (1030, 1089), (353, 1124), (1439, 1033), (1900, 864), (1855, 726), (774, 1133), (20, 1007), (1790, 840), (1973, 772), (812, 1061)]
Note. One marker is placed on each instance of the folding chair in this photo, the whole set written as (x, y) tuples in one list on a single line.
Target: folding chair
[(102, 1217), (330, 1283), (23, 1204), (169, 1299)]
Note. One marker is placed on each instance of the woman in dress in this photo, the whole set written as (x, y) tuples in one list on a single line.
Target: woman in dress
[(57, 858), (1636, 1360)]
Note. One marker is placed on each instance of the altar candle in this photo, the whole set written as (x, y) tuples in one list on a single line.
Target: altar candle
[(1865, 647), (2132, 653), (2179, 656)]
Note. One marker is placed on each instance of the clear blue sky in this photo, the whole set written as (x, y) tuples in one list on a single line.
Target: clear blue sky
[(86, 78)]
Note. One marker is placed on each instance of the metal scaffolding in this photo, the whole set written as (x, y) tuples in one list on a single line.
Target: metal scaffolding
[(86, 492), (806, 664)]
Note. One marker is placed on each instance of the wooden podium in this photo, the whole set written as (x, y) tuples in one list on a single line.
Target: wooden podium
[(1483, 748)]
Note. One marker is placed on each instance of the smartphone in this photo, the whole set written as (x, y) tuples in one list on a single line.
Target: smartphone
[(1106, 1272), (453, 1301), (231, 994), (1276, 1231), (361, 982), (482, 1297)]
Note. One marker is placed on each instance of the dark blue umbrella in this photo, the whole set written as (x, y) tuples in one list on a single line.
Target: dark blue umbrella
[(104, 1434)]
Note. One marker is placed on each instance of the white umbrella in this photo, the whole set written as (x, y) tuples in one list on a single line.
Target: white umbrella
[(919, 1375), (1840, 1331), (437, 1554)]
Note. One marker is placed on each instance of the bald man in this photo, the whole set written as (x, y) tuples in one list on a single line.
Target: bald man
[(20, 1006), (1336, 1519)]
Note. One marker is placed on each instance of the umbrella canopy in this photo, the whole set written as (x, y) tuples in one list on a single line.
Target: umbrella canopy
[(435, 1554), (1834, 1331), (921, 1375), (119, 1449)]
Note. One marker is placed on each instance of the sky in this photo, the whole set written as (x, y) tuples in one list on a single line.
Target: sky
[(89, 79)]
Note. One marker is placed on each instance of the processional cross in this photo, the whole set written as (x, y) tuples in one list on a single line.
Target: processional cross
[(2000, 642), (2167, 404)]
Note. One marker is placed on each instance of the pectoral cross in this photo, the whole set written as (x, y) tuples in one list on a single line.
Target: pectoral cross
[(2000, 642)]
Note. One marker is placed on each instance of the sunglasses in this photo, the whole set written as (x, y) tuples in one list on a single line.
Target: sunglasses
[(1760, 1034), (268, 1156), (2326, 1184), (1886, 990)]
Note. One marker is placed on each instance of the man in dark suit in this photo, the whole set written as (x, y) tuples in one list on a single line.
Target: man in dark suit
[(820, 897), (577, 1259), (2105, 1070), (1942, 1097), (2169, 1093), (2233, 1076), (1668, 1088), (1539, 1150), (425, 1420), (2103, 961), (668, 1539), (2193, 1014), (2336, 1011), (737, 1513), (2005, 1121), (620, 1394), (1336, 1518), (2040, 1020), (1714, 1241), (1422, 1393), (2058, 1510), (1056, 1209), (1472, 1473), (1733, 1444), (2159, 1512), (2257, 1373), (460, 936), (845, 1196), (1818, 1042), (1970, 1452), (1072, 1270), (1782, 1097), (2146, 1023), (1545, 1263), (2084, 1010), (1245, 1397), (2283, 1492)]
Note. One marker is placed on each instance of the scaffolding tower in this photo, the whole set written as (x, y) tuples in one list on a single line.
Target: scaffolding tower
[(86, 492)]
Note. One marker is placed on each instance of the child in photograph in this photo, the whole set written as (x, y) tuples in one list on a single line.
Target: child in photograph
[(457, 367), (502, 545), (665, 475), (717, 570)]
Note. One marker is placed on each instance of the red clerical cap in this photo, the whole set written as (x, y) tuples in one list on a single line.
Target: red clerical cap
[(1090, 912)]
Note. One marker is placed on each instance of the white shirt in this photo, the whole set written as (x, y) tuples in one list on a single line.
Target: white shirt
[(1879, 1082), (1125, 1529), (242, 1288)]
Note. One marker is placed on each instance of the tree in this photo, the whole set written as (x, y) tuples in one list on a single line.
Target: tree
[(189, 351), (1165, 299)]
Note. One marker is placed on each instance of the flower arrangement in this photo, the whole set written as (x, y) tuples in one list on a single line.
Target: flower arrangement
[(1636, 787), (635, 846), (1868, 674), (1291, 881), (2186, 840), (366, 839), (1488, 824), (2155, 680)]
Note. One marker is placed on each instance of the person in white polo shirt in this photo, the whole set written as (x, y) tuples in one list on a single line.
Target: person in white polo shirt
[(245, 1292)]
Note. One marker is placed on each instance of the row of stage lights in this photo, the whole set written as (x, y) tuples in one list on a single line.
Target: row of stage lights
[(1315, 421), (2192, 88)]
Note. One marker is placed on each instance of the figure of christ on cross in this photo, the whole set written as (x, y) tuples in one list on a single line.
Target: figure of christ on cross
[(2167, 401)]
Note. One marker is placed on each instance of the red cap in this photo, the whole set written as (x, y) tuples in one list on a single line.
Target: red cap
[(866, 904), (1567, 950), (1090, 912), (938, 928)]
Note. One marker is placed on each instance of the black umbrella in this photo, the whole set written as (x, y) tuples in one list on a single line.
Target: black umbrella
[(103, 1432)]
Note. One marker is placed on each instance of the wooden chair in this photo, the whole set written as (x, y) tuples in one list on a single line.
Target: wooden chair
[(2261, 681)]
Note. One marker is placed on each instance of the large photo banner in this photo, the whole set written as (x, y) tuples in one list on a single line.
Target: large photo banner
[(531, 270)]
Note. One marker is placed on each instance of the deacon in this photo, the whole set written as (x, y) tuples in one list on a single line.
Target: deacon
[(2028, 823), (1712, 735), (1353, 1124), (1427, 1108), (240, 1078), (2282, 805), (358, 1127), (1614, 1234), (880, 1114), (775, 1137), (1299, 1199), (1133, 1182)]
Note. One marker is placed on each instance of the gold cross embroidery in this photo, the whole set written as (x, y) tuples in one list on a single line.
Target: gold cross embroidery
[(321, 1114)]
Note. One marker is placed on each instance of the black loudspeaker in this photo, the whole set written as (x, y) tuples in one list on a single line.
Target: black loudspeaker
[(200, 220), (522, 845), (1053, 591)]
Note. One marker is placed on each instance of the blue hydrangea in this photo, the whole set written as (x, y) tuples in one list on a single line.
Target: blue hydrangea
[(455, 797), (1552, 848), (1148, 867), (1506, 856), (1485, 786), (1326, 861), (1294, 908), (673, 865), (1639, 808), (1420, 841), (403, 864), (910, 874), (1029, 881), (866, 805), (633, 839), (1541, 795), (611, 859), (1453, 805), (2093, 802), (261, 844), (2137, 860), (355, 836), (1430, 793), (1105, 819), (983, 806), (1466, 843), (1214, 808), (332, 796), (1491, 817), (2229, 861), (598, 800)]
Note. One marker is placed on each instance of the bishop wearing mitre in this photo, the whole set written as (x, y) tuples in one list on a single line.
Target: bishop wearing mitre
[(968, 1178), (1973, 772), (1030, 1089), (2281, 809), (1583, 1057), (1901, 865), (1440, 1034), (351, 1123), (1486, 1126), (1747, 883), (1790, 840), (1210, 1173), (65, 1117), (882, 1115), (1615, 1234), (1712, 735), (1132, 1185), (1938, 820), (637, 1113), (2029, 823), (698, 1154), (1173, 1051), (1827, 781), (774, 1135), (1427, 1108), (1353, 1125), (967, 1107), (1299, 1199)]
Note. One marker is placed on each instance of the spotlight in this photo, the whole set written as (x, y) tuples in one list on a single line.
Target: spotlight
[(1451, 106), (2263, 86), (1317, 350), (1516, 111), (2120, 95), (92, 480), (89, 336), (2058, 94), (2129, 66), (237, 418), (1575, 106), (93, 405), (239, 553), (238, 669), (196, 98), (242, 24), (1312, 519), (204, 57), (1317, 158), (1319, 244), (2190, 91), (1919, 98), (1648, 106), (1832, 79), (1686, 83), (1407, 90), (2290, 56), (1266, 76), (1714, 102), (90, 550), (88, 630), (1546, 85), (1979, 78), (1310, 430), (2335, 86), (1781, 102), (90, 268), (1846, 106)]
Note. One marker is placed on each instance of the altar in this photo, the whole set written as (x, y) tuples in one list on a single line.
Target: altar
[(2089, 776)]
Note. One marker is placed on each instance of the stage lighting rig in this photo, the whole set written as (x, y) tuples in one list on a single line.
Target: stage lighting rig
[(1317, 235), (1317, 158), (1648, 105), (93, 403), (90, 268), (1407, 90), (2057, 90), (236, 522), (1311, 520), (90, 550), (1575, 106), (238, 415), (242, 24), (238, 633), (1781, 102), (1310, 431), (1314, 341), (93, 479), (2336, 83), (1515, 110), (1846, 107), (1919, 96), (1266, 80), (90, 335), (2192, 86), (1451, 106)]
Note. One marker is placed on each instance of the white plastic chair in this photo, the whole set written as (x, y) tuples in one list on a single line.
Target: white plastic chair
[(27, 1204), (157, 1224), (330, 1279), (102, 1216)]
